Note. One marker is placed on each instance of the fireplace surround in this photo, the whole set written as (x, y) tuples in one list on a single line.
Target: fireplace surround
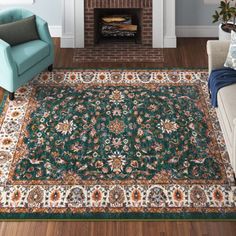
[(158, 21)]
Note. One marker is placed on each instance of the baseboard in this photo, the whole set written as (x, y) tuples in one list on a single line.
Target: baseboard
[(198, 31), (67, 41), (55, 30), (170, 42)]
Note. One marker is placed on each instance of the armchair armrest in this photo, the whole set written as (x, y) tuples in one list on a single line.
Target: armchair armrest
[(8, 66), (43, 32), (217, 53)]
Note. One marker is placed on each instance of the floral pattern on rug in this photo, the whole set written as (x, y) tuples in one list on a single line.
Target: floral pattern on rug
[(114, 142), (117, 133)]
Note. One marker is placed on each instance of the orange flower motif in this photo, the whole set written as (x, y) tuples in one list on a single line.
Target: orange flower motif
[(188, 77), (16, 196), (178, 195), (97, 195), (7, 141), (102, 77), (22, 90), (72, 77), (136, 195), (44, 77), (130, 77), (159, 77), (55, 195), (15, 113), (116, 126), (218, 195)]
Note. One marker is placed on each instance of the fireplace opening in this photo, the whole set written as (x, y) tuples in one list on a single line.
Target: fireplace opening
[(117, 25)]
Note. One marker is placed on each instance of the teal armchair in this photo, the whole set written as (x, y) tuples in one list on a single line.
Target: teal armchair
[(20, 63)]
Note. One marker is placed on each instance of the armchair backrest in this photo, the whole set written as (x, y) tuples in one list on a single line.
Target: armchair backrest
[(13, 14)]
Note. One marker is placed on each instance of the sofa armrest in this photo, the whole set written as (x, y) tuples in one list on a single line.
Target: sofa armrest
[(217, 53), (43, 32), (8, 66), (233, 158)]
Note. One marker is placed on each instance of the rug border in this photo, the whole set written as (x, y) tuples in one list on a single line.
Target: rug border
[(100, 217)]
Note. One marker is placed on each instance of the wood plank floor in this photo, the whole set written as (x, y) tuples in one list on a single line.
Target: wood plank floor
[(117, 229), (191, 53)]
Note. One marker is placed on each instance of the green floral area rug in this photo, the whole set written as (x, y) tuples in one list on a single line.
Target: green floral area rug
[(114, 145)]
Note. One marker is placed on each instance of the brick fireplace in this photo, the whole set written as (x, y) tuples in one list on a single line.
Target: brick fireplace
[(157, 21)]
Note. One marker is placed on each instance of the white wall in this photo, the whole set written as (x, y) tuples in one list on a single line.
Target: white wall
[(50, 10), (188, 12), (193, 17)]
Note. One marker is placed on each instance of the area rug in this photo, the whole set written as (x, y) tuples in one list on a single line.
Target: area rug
[(114, 145)]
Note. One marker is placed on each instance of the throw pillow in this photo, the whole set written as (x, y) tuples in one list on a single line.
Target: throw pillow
[(231, 58), (18, 32)]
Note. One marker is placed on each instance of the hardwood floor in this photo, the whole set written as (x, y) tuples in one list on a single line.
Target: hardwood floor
[(117, 228), (191, 53)]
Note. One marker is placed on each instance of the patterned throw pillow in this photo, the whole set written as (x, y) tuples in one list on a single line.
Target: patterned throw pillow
[(231, 58)]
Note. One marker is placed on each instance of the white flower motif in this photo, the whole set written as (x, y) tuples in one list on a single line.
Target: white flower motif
[(117, 96), (65, 127), (168, 126), (116, 162)]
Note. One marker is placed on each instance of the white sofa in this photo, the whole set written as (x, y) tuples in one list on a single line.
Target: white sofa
[(226, 111)]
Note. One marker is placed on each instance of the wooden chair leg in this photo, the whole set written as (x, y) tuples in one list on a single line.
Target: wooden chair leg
[(50, 68), (11, 96)]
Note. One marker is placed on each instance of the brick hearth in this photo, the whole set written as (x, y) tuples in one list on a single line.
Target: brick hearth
[(145, 5), (119, 52)]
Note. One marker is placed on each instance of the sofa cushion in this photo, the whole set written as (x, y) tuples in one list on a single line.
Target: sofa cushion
[(20, 31), (28, 54), (227, 106)]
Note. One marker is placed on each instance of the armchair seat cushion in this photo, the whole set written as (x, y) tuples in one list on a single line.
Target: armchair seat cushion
[(28, 54)]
